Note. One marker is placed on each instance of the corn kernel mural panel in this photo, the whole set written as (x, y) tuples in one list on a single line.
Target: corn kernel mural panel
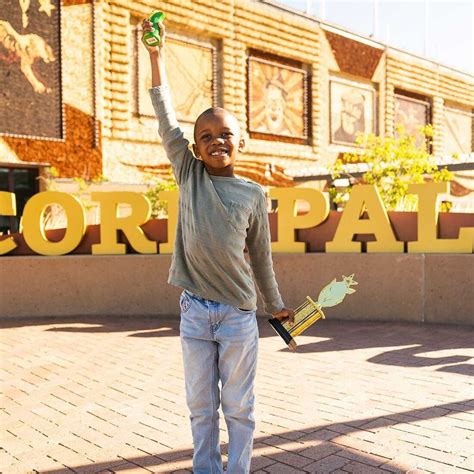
[(30, 69), (352, 110), (191, 75), (457, 130), (412, 114), (277, 99)]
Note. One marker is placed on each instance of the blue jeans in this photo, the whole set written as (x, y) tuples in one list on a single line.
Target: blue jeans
[(219, 343)]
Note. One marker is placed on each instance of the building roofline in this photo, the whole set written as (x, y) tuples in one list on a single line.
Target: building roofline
[(349, 34), (325, 25)]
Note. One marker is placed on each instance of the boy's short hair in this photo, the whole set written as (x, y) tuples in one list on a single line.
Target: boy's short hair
[(214, 111)]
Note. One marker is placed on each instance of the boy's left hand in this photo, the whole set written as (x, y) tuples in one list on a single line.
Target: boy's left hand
[(285, 313)]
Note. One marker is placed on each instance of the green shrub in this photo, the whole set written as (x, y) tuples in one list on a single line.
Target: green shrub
[(393, 164), (159, 208)]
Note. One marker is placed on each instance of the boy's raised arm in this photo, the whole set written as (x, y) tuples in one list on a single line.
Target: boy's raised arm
[(176, 146), (157, 55)]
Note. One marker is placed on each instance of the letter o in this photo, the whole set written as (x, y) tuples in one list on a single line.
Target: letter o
[(33, 229)]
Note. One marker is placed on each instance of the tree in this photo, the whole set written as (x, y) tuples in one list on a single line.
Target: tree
[(393, 163)]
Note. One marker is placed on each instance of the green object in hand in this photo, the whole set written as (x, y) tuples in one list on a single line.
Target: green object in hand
[(152, 38)]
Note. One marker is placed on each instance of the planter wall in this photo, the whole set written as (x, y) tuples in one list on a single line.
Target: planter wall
[(392, 287)]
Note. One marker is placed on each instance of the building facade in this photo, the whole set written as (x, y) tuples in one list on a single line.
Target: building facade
[(76, 98)]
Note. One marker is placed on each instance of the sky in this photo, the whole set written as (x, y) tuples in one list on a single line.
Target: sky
[(449, 28)]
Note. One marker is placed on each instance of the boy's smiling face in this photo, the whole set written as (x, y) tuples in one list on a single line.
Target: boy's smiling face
[(217, 141)]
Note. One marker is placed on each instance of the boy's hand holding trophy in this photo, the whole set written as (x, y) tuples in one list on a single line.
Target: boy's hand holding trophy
[(310, 311)]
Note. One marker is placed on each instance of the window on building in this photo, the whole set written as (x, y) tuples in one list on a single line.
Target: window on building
[(23, 182)]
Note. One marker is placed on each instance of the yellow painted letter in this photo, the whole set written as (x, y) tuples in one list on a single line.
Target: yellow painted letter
[(289, 221), (172, 198), (7, 208), (33, 226), (110, 223), (364, 197), (428, 222)]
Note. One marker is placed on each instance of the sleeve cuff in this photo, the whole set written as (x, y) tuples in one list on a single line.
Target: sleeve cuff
[(275, 308)]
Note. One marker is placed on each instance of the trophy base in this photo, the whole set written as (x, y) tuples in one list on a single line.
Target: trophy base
[(292, 345), (283, 333), (305, 315)]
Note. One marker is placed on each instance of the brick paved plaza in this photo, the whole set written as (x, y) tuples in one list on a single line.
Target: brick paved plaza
[(106, 395)]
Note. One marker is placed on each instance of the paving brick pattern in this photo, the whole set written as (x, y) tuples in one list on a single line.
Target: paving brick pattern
[(106, 395)]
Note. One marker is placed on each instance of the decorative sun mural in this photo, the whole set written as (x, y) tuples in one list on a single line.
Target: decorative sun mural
[(277, 99)]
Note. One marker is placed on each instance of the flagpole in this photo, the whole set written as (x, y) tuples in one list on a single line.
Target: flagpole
[(375, 30), (426, 28)]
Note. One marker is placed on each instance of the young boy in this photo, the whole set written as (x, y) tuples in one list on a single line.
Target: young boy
[(219, 215)]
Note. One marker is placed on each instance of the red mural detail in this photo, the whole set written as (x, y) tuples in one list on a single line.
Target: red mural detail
[(74, 157), (353, 57)]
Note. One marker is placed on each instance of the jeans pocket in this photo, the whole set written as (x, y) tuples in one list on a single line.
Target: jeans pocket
[(184, 302), (244, 311), (240, 325)]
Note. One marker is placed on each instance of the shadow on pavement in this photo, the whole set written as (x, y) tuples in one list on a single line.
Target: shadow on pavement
[(425, 340), (326, 448), (461, 369), (335, 336)]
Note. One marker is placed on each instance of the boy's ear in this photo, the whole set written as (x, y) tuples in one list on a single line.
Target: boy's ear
[(195, 151), (241, 144)]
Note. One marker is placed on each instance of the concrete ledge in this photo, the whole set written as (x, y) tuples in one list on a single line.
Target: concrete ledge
[(86, 285), (392, 287), (449, 289)]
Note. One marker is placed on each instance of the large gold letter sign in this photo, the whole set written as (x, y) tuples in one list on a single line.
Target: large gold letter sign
[(130, 225), (7, 208), (428, 196), (33, 227), (364, 197), (289, 221)]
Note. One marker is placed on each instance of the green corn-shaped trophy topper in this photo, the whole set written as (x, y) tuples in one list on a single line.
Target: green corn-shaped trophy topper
[(153, 38), (309, 312)]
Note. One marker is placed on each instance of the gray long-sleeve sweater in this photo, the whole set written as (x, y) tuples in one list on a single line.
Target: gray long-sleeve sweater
[(218, 217)]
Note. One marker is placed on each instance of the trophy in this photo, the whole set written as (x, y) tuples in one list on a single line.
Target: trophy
[(310, 311)]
